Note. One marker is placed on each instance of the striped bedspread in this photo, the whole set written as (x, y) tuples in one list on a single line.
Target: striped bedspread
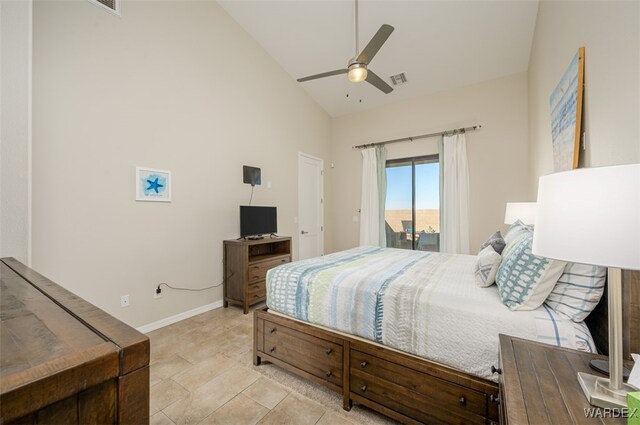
[(422, 303)]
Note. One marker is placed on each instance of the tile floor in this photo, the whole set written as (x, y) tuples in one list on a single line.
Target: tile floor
[(202, 373)]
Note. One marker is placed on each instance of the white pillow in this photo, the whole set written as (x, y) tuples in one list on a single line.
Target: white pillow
[(578, 290), (525, 280), (487, 266)]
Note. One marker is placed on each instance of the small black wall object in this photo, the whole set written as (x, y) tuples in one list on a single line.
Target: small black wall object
[(251, 175)]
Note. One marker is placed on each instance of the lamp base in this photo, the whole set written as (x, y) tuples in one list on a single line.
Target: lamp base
[(600, 394), (602, 366)]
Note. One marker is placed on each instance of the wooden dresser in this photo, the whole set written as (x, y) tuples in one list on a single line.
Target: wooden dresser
[(246, 263), (63, 360), (538, 384)]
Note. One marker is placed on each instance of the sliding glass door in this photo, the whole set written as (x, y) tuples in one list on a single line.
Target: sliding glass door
[(412, 209)]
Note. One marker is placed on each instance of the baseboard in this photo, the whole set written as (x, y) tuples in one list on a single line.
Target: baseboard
[(178, 317)]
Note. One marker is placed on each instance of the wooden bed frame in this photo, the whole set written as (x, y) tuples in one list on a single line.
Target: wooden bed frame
[(404, 387)]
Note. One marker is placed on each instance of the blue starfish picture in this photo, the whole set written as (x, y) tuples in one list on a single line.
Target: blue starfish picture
[(153, 185)]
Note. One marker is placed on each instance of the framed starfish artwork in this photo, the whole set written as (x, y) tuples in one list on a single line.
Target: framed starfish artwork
[(153, 185)]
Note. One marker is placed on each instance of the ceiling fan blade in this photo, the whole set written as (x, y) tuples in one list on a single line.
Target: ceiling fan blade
[(367, 54), (378, 82), (324, 74)]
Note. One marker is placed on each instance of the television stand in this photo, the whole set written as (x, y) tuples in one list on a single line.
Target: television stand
[(255, 238), (246, 262)]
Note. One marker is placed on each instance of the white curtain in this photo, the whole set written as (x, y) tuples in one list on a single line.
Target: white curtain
[(455, 196), (373, 197)]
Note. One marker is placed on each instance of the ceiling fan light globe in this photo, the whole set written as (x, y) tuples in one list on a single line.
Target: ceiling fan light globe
[(357, 74)]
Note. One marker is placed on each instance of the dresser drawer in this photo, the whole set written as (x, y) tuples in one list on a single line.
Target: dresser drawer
[(416, 392), (258, 271), (256, 291), (313, 355)]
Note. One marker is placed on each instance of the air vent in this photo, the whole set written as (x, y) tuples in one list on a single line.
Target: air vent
[(398, 79), (110, 5)]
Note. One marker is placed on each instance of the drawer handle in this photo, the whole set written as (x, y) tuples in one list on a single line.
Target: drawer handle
[(272, 330), (256, 267), (494, 399), (462, 402), (328, 351), (328, 374), (363, 388), (283, 261), (256, 296), (256, 277), (272, 350), (364, 363), (494, 370)]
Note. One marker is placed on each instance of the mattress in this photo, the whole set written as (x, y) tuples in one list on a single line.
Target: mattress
[(422, 303)]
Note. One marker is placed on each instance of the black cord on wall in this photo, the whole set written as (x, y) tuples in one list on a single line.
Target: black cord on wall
[(178, 288)]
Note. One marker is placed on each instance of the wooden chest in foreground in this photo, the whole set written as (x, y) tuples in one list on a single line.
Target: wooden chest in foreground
[(63, 360)]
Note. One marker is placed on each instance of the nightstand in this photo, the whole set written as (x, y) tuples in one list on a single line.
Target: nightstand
[(538, 385)]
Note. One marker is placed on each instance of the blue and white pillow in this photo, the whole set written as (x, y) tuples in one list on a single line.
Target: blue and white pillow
[(517, 229), (525, 280), (578, 290)]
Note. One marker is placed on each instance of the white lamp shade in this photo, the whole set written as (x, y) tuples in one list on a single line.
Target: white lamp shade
[(590, 216), (523, 211)]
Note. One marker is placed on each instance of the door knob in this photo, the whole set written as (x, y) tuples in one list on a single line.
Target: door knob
[(302, 232)]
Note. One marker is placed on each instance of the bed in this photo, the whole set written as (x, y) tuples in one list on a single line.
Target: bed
[(407, 333)]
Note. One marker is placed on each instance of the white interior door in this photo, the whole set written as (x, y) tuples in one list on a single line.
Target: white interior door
[(310, 203)]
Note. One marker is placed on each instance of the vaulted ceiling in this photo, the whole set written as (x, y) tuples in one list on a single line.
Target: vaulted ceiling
[(439, 45)]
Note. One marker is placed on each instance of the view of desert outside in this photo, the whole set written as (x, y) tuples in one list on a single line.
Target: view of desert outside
[(398, 209)]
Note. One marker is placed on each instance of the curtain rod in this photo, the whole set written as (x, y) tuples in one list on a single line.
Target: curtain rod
[(422, 136)]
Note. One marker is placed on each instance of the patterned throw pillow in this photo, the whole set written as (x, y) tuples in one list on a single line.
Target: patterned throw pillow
[(578, 290), (487, 267), (525, 280), (496, 241), (516, 229)]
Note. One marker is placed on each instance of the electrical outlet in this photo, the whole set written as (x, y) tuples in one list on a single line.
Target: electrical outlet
[(124, 301), (157, 294)]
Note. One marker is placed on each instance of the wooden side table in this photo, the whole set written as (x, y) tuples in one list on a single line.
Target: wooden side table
[(539, 385)]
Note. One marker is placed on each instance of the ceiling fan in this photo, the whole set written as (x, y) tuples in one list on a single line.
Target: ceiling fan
[(357, 67)]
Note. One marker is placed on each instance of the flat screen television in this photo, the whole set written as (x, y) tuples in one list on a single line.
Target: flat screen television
[(256, 221)]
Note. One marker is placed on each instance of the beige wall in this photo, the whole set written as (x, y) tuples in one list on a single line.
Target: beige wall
[(610, 33), (171, 85), (15, 127), (498, 164)]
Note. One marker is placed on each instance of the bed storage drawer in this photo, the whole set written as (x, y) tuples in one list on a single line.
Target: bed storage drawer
[(416, 394), (316, 356)]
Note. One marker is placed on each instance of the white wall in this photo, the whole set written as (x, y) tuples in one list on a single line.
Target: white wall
[(15, 127), (497, 153), (610, 33), (175, 85)]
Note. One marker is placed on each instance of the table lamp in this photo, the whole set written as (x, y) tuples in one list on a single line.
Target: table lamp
[(523, 211), (592, 216)]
